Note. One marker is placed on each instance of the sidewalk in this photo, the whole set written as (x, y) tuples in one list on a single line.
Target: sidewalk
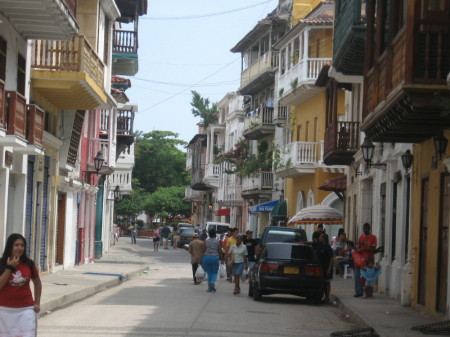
[(382, 313), (120, 264)]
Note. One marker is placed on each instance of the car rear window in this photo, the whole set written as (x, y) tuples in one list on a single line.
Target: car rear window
[(221, 229), (289, 252), (187, 231), (284, 236)]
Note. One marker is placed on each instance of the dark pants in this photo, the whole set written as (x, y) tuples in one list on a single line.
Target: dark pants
[(133, 239), (194, 270)]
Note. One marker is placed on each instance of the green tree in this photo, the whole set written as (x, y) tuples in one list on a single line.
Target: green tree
[(158, 160), (167, 202), (203, 108), (132, 204)]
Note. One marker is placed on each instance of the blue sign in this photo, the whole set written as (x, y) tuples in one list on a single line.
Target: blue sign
[(264, 207)]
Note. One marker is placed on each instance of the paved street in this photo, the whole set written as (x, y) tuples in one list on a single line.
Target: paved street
[(165, 302)]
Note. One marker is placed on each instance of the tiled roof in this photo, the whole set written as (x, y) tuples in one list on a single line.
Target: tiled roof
[(338, 184), (119, 96), (120, 80), (319, 19)]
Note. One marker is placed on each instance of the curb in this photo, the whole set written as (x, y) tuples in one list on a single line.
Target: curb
[(89, 291), (350, 312)]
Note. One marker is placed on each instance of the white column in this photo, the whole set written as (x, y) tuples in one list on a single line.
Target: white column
[(4, 183)]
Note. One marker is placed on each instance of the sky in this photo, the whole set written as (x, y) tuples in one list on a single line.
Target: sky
[(185, 45)]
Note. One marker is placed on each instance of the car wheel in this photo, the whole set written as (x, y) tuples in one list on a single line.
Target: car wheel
[(250, 289), (257, 296)]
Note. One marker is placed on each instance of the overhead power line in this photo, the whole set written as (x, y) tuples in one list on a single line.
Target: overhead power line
[(206, 15)]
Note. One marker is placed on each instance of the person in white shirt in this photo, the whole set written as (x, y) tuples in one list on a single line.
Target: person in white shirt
[(238, 255)]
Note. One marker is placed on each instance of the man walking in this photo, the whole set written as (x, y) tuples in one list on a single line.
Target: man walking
[(133, 235), (367, 243), (165, 233), (250, 243), (196, 249)]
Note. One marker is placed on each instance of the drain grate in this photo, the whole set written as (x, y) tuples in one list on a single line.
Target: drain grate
[(439, 328), (365, 332)]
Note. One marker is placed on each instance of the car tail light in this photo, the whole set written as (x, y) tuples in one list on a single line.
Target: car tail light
[(312, 271), (268, 268)]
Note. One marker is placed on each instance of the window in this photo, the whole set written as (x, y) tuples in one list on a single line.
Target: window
[(21, 68)]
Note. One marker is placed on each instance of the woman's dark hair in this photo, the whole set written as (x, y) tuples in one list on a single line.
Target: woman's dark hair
[(340, 231), (325, 236), (212, 233), (350, 243), (8, 253)]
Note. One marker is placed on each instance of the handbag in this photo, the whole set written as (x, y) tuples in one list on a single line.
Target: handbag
[(200, 274)]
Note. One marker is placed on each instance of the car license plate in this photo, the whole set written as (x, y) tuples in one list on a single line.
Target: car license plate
[(291, 270)]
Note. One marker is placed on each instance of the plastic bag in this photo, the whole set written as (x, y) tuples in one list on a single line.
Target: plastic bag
[(244, 275), (200, 274), (358, 259), (222, 271)]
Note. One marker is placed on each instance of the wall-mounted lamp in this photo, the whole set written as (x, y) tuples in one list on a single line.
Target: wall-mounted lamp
[(440, 144), (407, 160), (98, 161), (117, 193), (368, 149), (355, 165), (210, 206)]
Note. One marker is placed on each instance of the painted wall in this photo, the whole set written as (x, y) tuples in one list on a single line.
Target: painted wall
[(300, 8)]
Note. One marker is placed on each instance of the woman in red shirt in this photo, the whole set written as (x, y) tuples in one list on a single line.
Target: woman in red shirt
[(17, 307)]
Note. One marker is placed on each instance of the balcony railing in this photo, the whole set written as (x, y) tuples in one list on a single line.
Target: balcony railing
[(301, 153), (281, 114), (72, 6), (35, 124), (125, 41), (105, 121), (75, 55), (15, 114), (190, 194), (259, 116), (306, 70), (125, 120), (267, 62), (123, 179), (213, 170), (258, 181), (342, 136)]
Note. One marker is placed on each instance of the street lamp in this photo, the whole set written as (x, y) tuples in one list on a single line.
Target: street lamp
[(355, 165), (117, 193), (440, 144), (368, 149), (98, 161), (407, 160)]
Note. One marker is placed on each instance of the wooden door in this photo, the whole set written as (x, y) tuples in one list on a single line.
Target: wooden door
[(444, 220), (423, 243), (60, 229)]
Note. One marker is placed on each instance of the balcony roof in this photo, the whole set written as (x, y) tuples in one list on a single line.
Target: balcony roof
[(40, 19), (120, 96), (128, 8)]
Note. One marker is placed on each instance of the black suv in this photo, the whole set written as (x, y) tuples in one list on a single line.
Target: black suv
[(282, 234)]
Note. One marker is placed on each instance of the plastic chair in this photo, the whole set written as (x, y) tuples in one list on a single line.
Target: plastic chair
[(348, 271)]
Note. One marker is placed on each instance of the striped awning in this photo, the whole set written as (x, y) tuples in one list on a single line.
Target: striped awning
[(317, 214)]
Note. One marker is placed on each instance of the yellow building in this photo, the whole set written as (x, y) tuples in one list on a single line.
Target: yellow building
[(305, 51)]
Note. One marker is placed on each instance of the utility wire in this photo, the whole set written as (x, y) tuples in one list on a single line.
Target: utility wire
[(207, 15), (182, 91), (214, 84)]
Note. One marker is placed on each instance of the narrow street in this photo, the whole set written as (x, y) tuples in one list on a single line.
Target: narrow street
[(165, 302)]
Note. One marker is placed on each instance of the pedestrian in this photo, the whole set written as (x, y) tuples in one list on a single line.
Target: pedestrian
[(210, 261), (203, 235), (133, 234), (316, 234), (337, 245), (17, 307), (156, 238), (238, 255), (347, 258), (116, 234), (325, 255), (229, 243), (175, 238), (165, 233), (196, 249), (365, 249), (251, 244), (370, 273)]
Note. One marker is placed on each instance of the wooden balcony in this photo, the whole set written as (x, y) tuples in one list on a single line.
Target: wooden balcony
[(260, 74), (42, 19), (406, 89), (69, 74), (281, 115), (260, 123), (125, 133), (257, 185), (15, 114), (341, 143), (125, 52), (35, 124), (349, 38), (2, 105), (299, 158)]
